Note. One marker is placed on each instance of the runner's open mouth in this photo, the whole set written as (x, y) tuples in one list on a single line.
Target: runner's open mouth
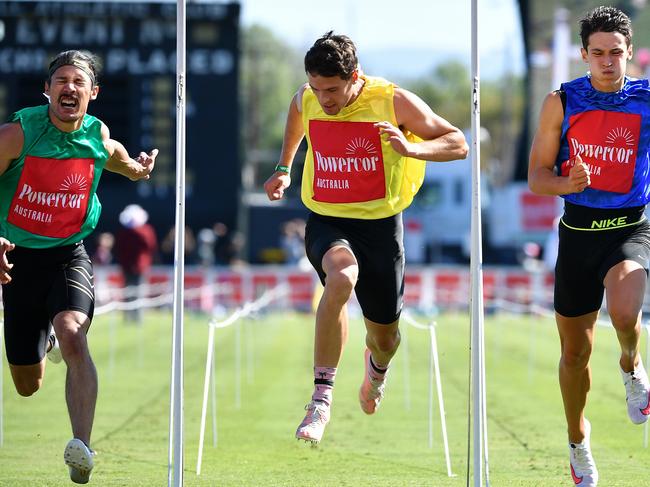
[(68, 102)]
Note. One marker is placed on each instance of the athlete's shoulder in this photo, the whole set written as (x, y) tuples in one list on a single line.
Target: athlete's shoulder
[(579, 85), (92, 121), (12, 140), (635, 85), (555, 99), (551, 114), (378, 82), (29, 113), (298, 96), (11, 130), (28, 124), (379, 88)]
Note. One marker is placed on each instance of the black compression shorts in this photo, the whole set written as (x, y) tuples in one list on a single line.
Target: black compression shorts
[(44, 282), (379, 250), (592, 241)]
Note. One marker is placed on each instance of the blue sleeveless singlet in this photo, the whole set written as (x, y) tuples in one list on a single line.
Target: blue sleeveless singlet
[(611, 132)]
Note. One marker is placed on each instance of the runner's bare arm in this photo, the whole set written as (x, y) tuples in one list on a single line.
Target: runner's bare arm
[(294, 131), (5, 266), (293, 135), (441, 141), (121, 163), (542, 178), (11, 144)]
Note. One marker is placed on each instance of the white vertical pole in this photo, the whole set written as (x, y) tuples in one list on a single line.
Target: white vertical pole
[(213, 387), (206, 388), (441, 403), (561, 47), (175, 460), (476, 265)]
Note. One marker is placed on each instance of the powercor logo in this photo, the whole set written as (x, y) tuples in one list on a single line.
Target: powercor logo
[(620, 147), (52, 195), (361, 156), (348, 161), (70, 194), (608, 143)]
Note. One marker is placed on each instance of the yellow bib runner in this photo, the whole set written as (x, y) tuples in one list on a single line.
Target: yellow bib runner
[(349, 171)]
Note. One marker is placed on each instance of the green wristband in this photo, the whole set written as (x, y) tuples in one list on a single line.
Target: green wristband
[(281, 168)]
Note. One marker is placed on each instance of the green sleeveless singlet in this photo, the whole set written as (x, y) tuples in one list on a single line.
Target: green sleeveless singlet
[(48, 194)]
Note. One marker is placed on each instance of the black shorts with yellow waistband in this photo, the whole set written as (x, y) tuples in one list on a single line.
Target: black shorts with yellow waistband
[(592, 241), (44, 282), (379, 249)]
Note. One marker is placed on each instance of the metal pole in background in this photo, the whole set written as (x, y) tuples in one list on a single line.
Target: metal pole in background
[(477, 338), (175, 460), (561, 47)]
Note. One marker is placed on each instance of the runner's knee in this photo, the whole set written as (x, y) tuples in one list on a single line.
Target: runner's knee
[(341, 282), (27, 385), (623, 318), (387, 342), (576, 358), (72, 340)]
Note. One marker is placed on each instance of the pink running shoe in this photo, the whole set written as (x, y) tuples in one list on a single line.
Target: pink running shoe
[(581, 461), (313, 426), (372, 390), (637, 389)]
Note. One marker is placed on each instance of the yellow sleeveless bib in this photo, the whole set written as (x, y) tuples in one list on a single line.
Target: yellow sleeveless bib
[(349, 170)]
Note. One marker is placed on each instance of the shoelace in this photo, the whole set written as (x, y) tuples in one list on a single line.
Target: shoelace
[(377, 387), (637, 392), (318, 414)]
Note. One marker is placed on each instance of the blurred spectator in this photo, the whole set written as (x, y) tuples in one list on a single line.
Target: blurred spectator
[(168, 243), (217, 245), (530, 257), (103, 254), (135, 246), (235, 249), (206, 240), (292, 240), (223, 245)]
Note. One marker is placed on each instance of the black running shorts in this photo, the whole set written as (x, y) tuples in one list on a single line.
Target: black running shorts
[(592, 241), (379, 249), (44, 282)]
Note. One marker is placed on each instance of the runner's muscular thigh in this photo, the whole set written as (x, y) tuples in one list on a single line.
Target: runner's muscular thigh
[(625, 285)]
